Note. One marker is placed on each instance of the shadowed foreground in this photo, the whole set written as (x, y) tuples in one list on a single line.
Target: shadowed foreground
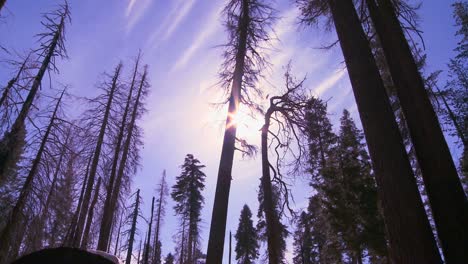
[(63, 255)]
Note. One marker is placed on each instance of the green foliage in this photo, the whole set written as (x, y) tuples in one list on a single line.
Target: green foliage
[(246, 236)]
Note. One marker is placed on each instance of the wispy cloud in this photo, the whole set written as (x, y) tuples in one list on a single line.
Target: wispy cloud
[(329, 82), (210, 27), (173, 19), (135, 10)]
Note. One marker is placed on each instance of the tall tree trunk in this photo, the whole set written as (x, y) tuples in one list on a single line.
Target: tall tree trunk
[(6, 91), (11, 225), (118, 234), (230, 246), (148, 243), (223, 184), (445, 192), (84, 242), (96, 155), (182, 243), (72, 228), (126, 146), (271, 218), (108, 214), (11, 146), (158, 217), (409, 232), (133, 229)]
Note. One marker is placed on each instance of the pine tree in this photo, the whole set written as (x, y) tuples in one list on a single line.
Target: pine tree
[(246, 238), (148, 247), (408, 229), (52, 46), (169, 259), (189, 200), (438, 170), (247, 24), (303, 241), (162, 191)]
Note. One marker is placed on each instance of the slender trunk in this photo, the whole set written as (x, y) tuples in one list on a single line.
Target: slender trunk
[(223, 185), (126, 146), (409, 232), (457, 125), (271, 218), (118, 234), (139, 254), (72, 228), (12, 143), (94, 164), (108, 214), (439, 173), (84, 242), (182, 244), (190, 239), (11, 225), (158, 218), (230, 246), (133, 229), (110, 235), (148, 242), (6, 91)]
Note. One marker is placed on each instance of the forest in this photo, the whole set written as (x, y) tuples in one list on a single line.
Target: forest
[(111, 146)]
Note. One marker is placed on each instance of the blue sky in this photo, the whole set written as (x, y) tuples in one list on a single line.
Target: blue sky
[(178, 40)]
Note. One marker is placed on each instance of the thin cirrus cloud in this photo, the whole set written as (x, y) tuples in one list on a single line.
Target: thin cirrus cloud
[(211, 26), (329, 82), (173, 19), (135, 10)]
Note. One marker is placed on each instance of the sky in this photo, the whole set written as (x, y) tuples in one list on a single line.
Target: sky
[(179, 40)]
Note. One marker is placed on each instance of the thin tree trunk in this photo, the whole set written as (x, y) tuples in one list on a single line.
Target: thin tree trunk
[(96, 155), (6, 91), (133, 229), (148, 243), (223, 185), (271, 218), (126, 146), (445, 192), (182, 244), (72, 228), (12, 143), (84, 242), (139, 254), (108, 214), (11, 225), (158, 217), (230, 246), (409, 232), (118, 234)]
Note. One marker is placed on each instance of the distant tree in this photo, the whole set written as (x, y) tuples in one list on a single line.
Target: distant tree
[(246, 236), (303, 241), (148, 247), (169, 259), (247, 24), (189, 200), (435, 161), (52, 46), (162, 192), (408, 228), (132, 232), (16, 215)]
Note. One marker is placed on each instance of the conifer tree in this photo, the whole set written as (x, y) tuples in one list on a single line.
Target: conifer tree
[(247, 24), (169, 259), (407, 226), (189, 200), (303, 241), (133, 227), (246, 238), (162, 192)]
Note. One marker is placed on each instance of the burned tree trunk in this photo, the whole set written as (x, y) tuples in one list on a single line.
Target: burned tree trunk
[(108, 214), (95, 160), (148, 242), (84, 242), (133, 229), (11, 146), (159, 216), (11, 225), (438, 169), (409, 232)]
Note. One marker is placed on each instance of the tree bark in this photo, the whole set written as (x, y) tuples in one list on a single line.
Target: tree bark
[(409, 232), (133, 229), (223, 185), (445, 192), (271, 218), (148, 243), (11, 225), (108, 214), (95, 161), (10, 147), (89, 221)]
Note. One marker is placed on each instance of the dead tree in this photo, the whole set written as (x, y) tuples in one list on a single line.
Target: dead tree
[(89, 221), (439, 173), (16, 216), (108, 214), (131, 238), (97, 152), (163, 192), (247, 24), (52, 46), (147, 250)]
